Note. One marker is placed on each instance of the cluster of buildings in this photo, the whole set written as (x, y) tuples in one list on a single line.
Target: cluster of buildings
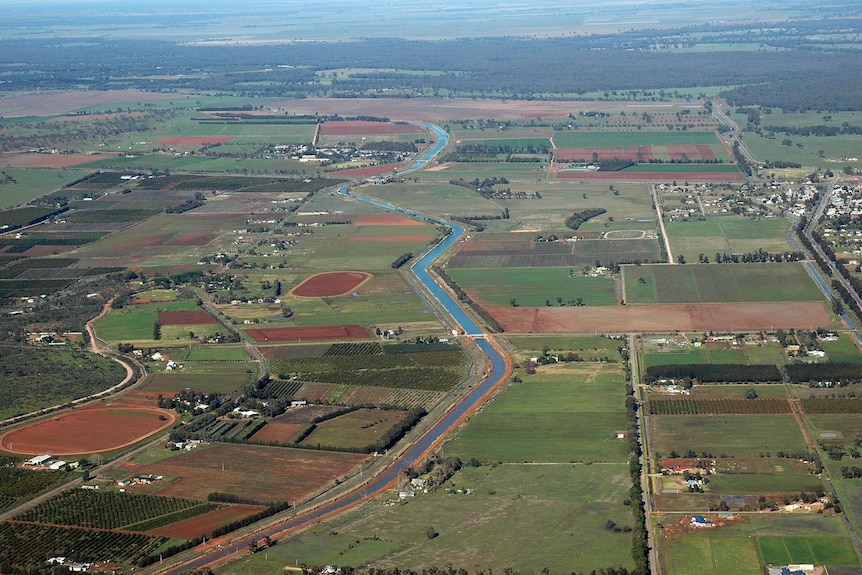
[(49, 462)]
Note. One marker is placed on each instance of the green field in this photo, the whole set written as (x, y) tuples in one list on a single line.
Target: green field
[(572, 139), (683, 168), (719, 283), (563, 413), (728, 235), (731, 435), (135, 322), (535, 287), (563, 508), (712, 353), (25, 185), (589, 348)]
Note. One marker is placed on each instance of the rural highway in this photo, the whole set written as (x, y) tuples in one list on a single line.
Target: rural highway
[(734, 132), (498, 371)]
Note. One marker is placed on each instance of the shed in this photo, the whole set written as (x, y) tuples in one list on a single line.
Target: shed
[(38, 460)]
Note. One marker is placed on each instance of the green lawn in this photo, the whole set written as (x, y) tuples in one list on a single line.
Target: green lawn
[(535, 287), (563, 413)]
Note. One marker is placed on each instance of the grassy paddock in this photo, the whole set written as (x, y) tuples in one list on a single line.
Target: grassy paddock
[(535, 287), (738, 435)]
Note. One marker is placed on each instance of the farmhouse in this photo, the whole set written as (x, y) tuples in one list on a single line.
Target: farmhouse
[(701, 521)]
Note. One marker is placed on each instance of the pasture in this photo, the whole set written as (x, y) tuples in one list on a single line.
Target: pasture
[(22, 185), (719, 283), (563, 413), (589, 348), (729, 235), (504, 503), (731, 435), (534, 287), (135, 322), (712, 352), (356, 429)]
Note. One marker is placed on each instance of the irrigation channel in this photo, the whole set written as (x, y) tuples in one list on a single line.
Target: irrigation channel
[(474, 397)]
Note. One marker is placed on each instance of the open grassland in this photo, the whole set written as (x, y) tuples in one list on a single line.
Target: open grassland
[(769, 353), (135, 322), (728, 235), (563, 413), (738, 435), (355, 429), (589, 348), (558, 506), (535, 286), (23, 185), (719, 283), (222, 381)]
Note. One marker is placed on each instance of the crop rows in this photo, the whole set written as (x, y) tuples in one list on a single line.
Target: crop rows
[(26, 545), (425, 378), (103, 509), (365, 395), (718, 406), (111, 216), (396, 348), (353, 349), (294, 351), (15, 482), (22, 288), (18, 268), (829, 406), (431, 359), (282, 388)]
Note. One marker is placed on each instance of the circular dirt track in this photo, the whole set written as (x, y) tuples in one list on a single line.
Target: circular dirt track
[(663, 318), (88, 430), (330, 284)]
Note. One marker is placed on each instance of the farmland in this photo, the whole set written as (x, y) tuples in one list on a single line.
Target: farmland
[(719, 283), (729, 434), (535, 286)]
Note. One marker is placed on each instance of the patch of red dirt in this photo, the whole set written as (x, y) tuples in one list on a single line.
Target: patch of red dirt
[(278, 432), (330, 284), (205, 524), (89, 430), (193, 140), (385, 220), (662, 318), (51, 160), (319, 333), (362, 128), (197, 317)]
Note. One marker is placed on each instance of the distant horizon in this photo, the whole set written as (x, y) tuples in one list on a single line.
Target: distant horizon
[(265, 21)]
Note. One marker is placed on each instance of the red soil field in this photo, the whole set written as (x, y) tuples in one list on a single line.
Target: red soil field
[(51, 160), (362, 128), (662, 318), (385, 220), (330, 284), (258, 472), (319, 333), (62, 102), (185, 318), (193, 140), (652, 176), (368, 172), (417, 238), (278, 432), (46, 250), (205, 524), (705, 151), (89, 430), (621, 153), (694, 152)]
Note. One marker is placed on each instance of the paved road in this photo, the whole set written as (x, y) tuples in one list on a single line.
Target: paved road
[(499, 371), (734, 132)]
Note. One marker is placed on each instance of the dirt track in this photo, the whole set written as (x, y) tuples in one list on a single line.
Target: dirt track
[(662, 318)]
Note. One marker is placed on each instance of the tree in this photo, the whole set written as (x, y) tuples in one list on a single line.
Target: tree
[(680, 259), (751, 393), (514, 302), (431, 533)]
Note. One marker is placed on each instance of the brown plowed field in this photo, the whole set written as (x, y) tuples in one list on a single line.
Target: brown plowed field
[(278, 432), (258, 472), (663, 318), (363, 128), (89, 430), (319, 333), (185, 318), (330, 284), (193, 140), (51, 160), (385, 220), (205, 524), (50, 102)]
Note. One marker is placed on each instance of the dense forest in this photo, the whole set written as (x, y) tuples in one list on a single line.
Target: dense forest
[(785, 71)]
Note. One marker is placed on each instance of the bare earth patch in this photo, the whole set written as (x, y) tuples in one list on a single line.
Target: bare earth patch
[(662, 318), (330, 284), (51, 160)]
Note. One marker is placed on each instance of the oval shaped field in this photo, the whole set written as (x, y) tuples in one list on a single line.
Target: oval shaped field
[(90, 430), (330, 284)]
